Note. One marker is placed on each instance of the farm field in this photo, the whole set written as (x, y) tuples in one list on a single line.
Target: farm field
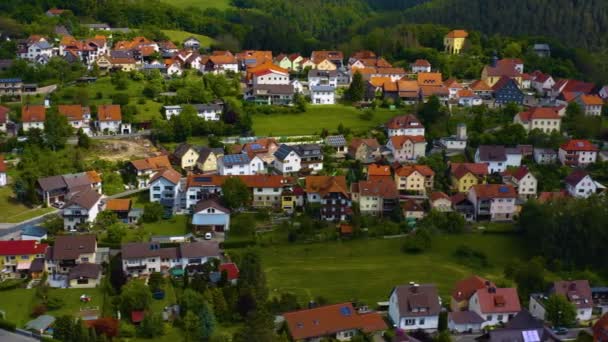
[(316, 118), (368, 269), (202, 4)]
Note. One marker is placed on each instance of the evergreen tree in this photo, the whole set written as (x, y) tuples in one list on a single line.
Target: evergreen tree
[(56, 130), (356, 90), (192, 327), (207, 321)]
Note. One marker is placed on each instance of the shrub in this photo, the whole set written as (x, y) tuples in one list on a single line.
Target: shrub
[(6, 325), (471, 256), (419, 242), (126, 330), (38, 310), (54, 303), (11, 284)]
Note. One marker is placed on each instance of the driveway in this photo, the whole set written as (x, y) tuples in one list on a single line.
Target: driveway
[(7, 336)]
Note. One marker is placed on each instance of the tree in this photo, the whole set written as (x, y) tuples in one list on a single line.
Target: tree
[(56, 130), (191, 301), (134, 296), (235, 193), (560, 312), (259, 327), (207, 321), (192, 327), (529, 276), (152, 326), (116, 232), (356, 90), (64, 329), (252, 276), (220, 307), (418, 242), (83, 140), (153, 212)]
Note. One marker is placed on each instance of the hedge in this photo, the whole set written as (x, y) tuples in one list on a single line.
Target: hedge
[(6, 325)]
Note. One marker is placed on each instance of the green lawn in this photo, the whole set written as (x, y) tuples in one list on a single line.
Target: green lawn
[(18, 303), (12, 211), (368, 269), (176, 225), (316, 118), (202, 4), (180, 36)]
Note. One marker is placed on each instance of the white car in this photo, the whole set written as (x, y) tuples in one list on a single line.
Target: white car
[(208, 236)]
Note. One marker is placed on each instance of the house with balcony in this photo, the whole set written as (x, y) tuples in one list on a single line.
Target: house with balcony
[(60, 188), (202, 187), (165, 187), (144, 169), (494, 202), (70, 251), (416, 179), (210, 216), (577, 292), (323, 78), (266, 190), (415, 307), (240, 164), (495, 305), (311, 156), (498, 157), (577, 153), (579, 184), (590, 104), (377, 196), (81, 209), (522, 180), (18, 256), (407, 148), (10, 86), (404, 125), (331, 194)]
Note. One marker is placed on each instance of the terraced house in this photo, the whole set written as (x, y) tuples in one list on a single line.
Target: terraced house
[(19, 259)]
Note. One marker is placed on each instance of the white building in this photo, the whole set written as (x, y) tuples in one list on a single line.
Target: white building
[(577, 292), (239, 164), (322, 94), (579, 184), (407, 148), (287, 160), (322, 78), (577, 152), (545, 156), (495, 202), (497, 157), (415, 306), (456, 142), (165, 187), (3, 179), (464, 321), (81, 209), (495, 305), (545, 119), (33, 116), (109, 119), (210, 216), (199, 187), (271, 77), (38, 49), (404, 125), (523, 181), (209, 112), (172, 110)]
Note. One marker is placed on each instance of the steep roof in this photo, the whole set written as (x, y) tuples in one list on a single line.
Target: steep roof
[(437, 195), (421, 300), (383, 187), (109, 113), (85, 270), (480, 85), (283, 152), (465, 288), (356, 142), (538, 113), (407, 170), (457, 34), (320, 55), (335, 140), (458, 170), (430, 78), (494, 191), (33, 113), (518, 173), (591, 100), (169, 174), (68, 247), (210, 203), (579, 145), (502, 82), (118, 204), (404, 121), (492, 153), (22, 247), (232, 270), (498, 300), (326, 184), (399, 140), (504, 67), (411, 205), (578, 292), (330, 319), (85, 199), (421, 63), (575, 177), (182, 149)]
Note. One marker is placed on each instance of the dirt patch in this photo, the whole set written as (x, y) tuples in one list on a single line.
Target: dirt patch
[(124, 149)]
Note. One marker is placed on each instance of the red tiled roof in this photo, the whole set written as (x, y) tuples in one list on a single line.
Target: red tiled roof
[(592, 100), (2, 164), (330, 319), (404, 121), (152, 163), (266, 181), (494, 191), (503, 300), (458, 170), (466, 93), (118, 204), (72, 112), (33, 113), (109, 113), (232, 271), (168, 174), (578, 145), (378, 170), (600, 329), (22, 247), (465, 288), (578, 292), (318, 56), (356, 142), (411, 205), (480, 85), (4, 114), (399, 140), (326, 184), (383, 187), (504, 67), (437, 195), (457, 34), (518, 173), (452, 83), (421, 63), (537, 113), (406, 170), (430, 78), (204, 180)]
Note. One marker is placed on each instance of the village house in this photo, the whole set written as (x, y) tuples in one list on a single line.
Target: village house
[(209, 112), (207, 159), (378, 171), (70, 251), (508, 68), (332, 194), (541, 82), (81, 209), (110, 120), (311, 156), (430, 84), (546, 119), (376, 196), (17, 257), (465, 175), (252, 58), (577, 152), (340, 321), (55, 189), (455, 143), (505, 91), (202, 187), (453, 87), (364, 150), (267, 190), (465, 289), (522, 180), (220, 64), (146, 168), (591, 104), (78, 116), (32, 116), (325, 57), (123, 209), (191, 43), (165, 187), (497, 157), (464, 322), (143, 258), (11, 86), (415, 307), (186, 156), (36, 49), (481, 89), (3, 178), (338, 143), (495, 305), (420, 65), (545, 156), (323, 78), (440, 201), (416, 179), (577, 292), (322, 95), (171, 111), (462, 205), (85, 275), (404, 125), (4, 118), (407, 148), (495, 202), (210, 216), (287, 160), (454, 41), (412, 210), (264, 148), (468, 98), (239, 164), (579, 184)]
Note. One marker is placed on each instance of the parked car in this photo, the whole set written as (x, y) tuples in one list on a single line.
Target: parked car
[(208, 236)]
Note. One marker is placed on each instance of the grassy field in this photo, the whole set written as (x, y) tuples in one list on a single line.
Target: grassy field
[(202, 4), (18, 303), (180, 36), (368, 269), (316, 118), (12, 211)]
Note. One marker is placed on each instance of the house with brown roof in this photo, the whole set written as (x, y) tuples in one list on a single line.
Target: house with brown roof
[(495, 202), (465, 289), (440, 201), (454, 41), (407, 124), (431, 84), (364, 150), (412, 210), (464, 175), (522, 180), (334, 57), (577, 292), (32, 116), (144, 169), (331, 193), (81, 209), (546, 119), (415, 306), (495, 305), (376, 196), (266, 190), (577, 152), (481, 89), (78, 116), (186, 156), (165, 188), (420, 65), (337, 321), (69, 251), (210, 216), (509, 67), (415, 178), (85, 275), (123, 208), (591, 104), (109, 120), (407, 148)]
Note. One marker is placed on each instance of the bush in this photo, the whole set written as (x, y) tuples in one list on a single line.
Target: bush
[(126, 329), (153, 212), (6, 325), (38, 310), (54, 303), (418, 242), (471, 256), (11, 284)]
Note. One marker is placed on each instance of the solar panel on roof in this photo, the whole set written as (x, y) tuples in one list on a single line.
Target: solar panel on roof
[(345, 311), (202, 179), (530, 336), (503, 189), (256, 146)]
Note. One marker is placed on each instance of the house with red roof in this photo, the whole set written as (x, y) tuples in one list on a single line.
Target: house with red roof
[(420, 65), (377, 196), (465, 289), (18, 258), (109, 120), (545, 119), (407, 124), (440, 201), (331, 192), (541, 82), (591, 104), (522, 180), (495, 202), (407, 148), (32, 116), (414, 178), (4, 115), (232, 271), (495, 305), (337, 321), (577, 152), (464, 175)]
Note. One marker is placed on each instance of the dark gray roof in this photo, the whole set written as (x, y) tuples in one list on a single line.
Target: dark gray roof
[(524, 320), (37, 265), (544, 150), (85, 270), (492, 153), (77, 180), (121, 54), (335, 141), (136, 250), (465, 317), (283, 151), (306, 150), (235, 159), (199, 249), (273, 89), (181, 150), (322, 88), (85, 199), (210, 203), (52, 183), (204, 152), (68, 247), (322, 73), (208, 107), (413, 298)]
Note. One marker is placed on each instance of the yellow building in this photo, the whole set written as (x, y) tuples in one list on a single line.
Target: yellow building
[(454, 41), (464, 175), (186, 156), (326, 65), (414, 178), (207, 160), (20, 258)]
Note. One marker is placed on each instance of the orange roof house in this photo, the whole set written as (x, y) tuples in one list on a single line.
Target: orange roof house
[(33, 113), (109, 113)]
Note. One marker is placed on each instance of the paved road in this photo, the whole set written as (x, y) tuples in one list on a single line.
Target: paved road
[(7, 336), (10, 228)]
